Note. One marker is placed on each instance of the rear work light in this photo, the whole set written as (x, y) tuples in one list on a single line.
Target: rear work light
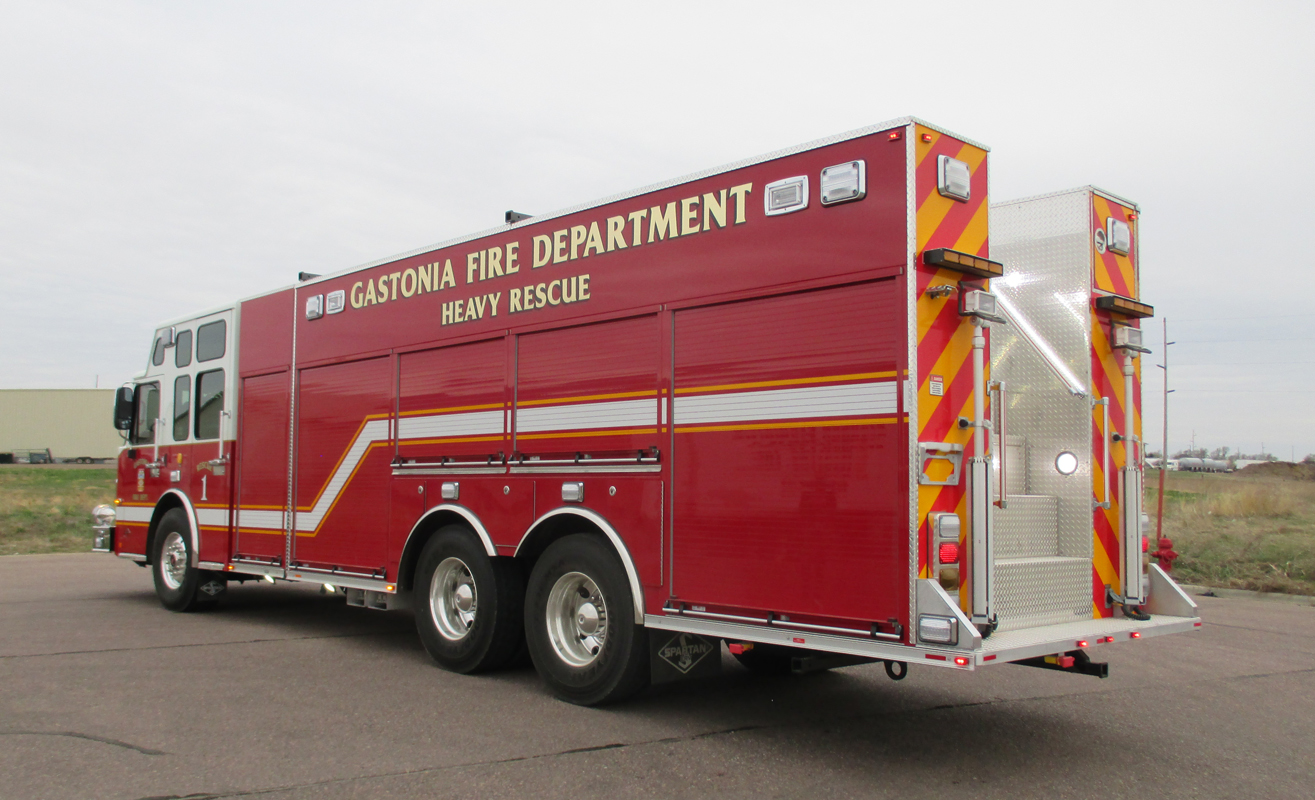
[(938, 630), (1128, 339), (953, 179), (1118, 236)]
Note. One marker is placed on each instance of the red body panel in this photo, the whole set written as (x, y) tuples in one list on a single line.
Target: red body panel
[(750, 365)]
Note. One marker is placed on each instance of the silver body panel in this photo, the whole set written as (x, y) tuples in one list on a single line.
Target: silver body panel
[(1043, 544)]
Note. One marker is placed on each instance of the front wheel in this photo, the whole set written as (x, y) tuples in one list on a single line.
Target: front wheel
[(178, 584), (580, 626)]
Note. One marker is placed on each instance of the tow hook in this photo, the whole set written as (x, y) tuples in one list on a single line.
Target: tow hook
[(896, 670)]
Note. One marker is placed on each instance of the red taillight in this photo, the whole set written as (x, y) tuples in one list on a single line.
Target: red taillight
[(1135, 635), (960, 661), (948, 553)]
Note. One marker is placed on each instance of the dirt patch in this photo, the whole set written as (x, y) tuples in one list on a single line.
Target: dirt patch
[(1285, 470)]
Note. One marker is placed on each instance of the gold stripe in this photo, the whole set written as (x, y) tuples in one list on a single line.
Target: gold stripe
[(409, 442)]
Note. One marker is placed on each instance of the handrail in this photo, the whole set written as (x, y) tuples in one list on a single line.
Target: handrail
[(1042, 348)]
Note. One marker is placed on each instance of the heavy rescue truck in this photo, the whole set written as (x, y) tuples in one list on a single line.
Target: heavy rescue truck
[(801, 404)]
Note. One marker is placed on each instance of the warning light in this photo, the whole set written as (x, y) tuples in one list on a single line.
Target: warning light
[(1135, 635), (1145, 544), (948, 553)]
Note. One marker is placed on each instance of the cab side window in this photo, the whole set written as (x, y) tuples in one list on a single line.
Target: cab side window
[(210, 340), (183, 349), (144, 416), (209, 402), (157, 352), (182, 406)]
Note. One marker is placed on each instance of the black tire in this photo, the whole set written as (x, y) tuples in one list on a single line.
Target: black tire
[(768, 659), (177, 582), (585, 671), (484, 636)]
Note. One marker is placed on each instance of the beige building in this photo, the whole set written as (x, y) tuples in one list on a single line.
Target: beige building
[(72, 423)]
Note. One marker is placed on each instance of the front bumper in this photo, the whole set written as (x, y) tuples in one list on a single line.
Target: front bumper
[(102, 538)]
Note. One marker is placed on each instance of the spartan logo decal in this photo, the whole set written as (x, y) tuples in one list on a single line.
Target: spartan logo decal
[(213, 588), (684, 650)]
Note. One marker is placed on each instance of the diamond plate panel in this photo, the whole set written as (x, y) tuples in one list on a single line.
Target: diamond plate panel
[(1028, 527), (1043, 243), (1042, 591)]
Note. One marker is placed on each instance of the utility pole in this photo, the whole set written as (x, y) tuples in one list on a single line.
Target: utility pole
[(1164, 446)]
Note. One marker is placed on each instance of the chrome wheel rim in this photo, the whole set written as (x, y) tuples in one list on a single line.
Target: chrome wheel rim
[(453, 600), (577, 619), (173, 560)]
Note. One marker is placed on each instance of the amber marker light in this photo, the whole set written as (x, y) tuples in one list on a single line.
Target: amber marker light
[(1125, 306), (963, 262)]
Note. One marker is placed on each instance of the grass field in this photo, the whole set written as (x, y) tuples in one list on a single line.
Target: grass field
[(1240, 531), (1236, 531), (48, 509)]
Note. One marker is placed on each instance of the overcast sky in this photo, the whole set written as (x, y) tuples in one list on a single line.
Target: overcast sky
[(157, 158)]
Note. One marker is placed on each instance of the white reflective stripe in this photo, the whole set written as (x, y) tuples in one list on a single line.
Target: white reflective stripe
[(264, 520), (375, 429), (615, 414), (813, 401), (474, 423), (133, 513), (213, 517)]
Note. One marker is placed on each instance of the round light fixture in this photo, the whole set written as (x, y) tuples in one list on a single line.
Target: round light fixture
[(1066, 463)]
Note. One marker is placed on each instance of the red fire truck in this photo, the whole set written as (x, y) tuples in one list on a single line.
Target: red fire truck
[(791, 404)]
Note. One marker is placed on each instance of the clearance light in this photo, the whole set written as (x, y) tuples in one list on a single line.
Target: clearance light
[(1125, 306), (895, 136), (964, 262), (1135, 635), (1083, 643), (926, 137), (949, 553)]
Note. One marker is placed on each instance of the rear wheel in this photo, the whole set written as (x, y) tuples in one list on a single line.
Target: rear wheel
[(468, 605), (580, 624), (177, 583)]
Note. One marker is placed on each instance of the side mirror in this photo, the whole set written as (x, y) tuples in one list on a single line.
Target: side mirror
[(123, 400)]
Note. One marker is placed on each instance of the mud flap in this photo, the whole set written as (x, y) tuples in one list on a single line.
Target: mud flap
[(677, 656)]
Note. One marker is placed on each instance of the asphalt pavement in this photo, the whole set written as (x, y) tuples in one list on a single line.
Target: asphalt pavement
[(287, 693)]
